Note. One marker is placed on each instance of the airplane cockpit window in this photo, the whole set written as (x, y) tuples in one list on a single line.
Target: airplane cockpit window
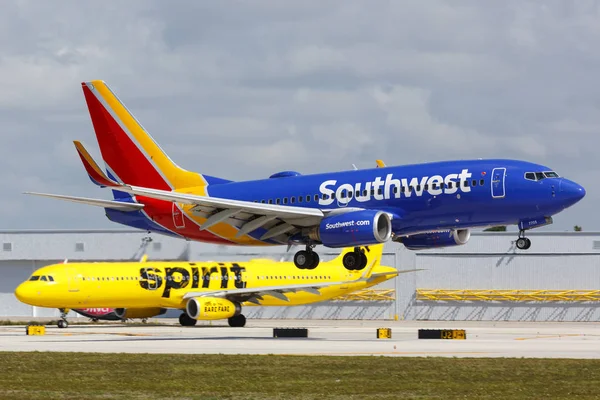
[(35, 278), (43, 278), (50, 278), (538, 176)]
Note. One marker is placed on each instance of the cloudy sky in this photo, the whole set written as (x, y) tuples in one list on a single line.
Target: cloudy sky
[(311, 86)]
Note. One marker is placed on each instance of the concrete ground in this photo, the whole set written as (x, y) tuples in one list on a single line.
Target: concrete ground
[(345, 338)]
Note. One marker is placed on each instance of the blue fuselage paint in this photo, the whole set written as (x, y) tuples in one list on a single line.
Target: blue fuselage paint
[(442, 195), (490, 201)]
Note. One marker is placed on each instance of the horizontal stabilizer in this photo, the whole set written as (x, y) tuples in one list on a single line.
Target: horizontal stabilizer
[(114, 205)]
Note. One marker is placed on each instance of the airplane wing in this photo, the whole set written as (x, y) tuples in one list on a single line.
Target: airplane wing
[(115, 205), (217, 209), (255, 294)]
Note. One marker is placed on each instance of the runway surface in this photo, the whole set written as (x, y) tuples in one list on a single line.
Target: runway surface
[(340, 338)]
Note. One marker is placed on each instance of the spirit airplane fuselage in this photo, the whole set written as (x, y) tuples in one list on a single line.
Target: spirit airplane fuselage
[(166, 284)]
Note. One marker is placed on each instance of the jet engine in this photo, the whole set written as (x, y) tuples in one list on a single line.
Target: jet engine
[(211, 308), (433, 240), (355, 228), (131, 313)]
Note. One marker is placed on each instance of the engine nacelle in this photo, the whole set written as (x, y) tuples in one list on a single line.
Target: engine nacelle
[(211, 308), (435, 240), (131, 313), (355, 228)]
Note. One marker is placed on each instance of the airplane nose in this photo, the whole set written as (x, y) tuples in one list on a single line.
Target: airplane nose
[(571, 192), (21, 293), (26, 294)]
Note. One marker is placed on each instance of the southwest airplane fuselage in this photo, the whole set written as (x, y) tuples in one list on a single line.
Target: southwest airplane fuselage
[(421, 205), (482, 193)]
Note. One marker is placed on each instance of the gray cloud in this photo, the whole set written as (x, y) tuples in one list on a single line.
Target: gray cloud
[(309, 86)]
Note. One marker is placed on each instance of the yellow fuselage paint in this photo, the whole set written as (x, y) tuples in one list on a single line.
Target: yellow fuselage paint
[(163, 284)]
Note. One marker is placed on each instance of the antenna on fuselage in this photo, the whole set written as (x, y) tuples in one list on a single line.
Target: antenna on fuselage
[(354, 166), (66, 261)]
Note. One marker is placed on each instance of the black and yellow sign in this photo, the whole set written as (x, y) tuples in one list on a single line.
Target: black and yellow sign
[(457, 334), (384, 333), (36, 330)]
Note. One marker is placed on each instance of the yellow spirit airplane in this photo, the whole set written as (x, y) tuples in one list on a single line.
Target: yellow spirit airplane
[(202, 290)]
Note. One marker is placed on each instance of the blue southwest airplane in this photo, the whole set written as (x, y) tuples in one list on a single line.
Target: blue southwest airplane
[(421, 205)]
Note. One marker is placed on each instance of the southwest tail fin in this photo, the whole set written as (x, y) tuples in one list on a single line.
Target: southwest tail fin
[(130, 153)]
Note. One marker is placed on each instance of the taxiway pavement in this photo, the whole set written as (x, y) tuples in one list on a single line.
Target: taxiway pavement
[(340, 338)]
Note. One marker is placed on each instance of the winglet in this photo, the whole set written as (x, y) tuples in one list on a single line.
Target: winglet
[(380, 163), (92, 168)]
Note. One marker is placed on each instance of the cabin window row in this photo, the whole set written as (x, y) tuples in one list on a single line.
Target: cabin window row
[(347, 194), (292, 277), (212, 277)]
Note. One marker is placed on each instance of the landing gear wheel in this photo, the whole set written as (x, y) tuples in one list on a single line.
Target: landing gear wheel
[(302, 259), (306, 259), (314, 260), (62, 323), (364, 261), (239, 321), (185, 320), (352, 261), (523, 243)]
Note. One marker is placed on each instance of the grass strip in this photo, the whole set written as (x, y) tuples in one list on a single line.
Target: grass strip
[(44, 375)]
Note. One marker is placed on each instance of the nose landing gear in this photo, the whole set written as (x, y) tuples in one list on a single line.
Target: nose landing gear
[(62, 322), (523, 243)]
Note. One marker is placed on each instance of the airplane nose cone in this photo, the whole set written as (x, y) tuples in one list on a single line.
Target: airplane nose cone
[(571, 192), (21, 293)]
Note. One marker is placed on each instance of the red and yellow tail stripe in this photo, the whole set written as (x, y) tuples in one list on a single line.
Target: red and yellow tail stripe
[(134, 158)]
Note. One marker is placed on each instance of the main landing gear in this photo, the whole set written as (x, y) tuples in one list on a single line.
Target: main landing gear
[(523, 243), (62, 322), (306, 259), (185, 320), (239, 321), (355, 260)]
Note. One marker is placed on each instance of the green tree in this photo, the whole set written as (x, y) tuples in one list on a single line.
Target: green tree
[(496, 229), (577, 228)]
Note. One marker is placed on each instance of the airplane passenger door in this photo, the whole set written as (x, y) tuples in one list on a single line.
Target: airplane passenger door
[(73, 280), (178, 219), (343, 202), (498, 181)]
